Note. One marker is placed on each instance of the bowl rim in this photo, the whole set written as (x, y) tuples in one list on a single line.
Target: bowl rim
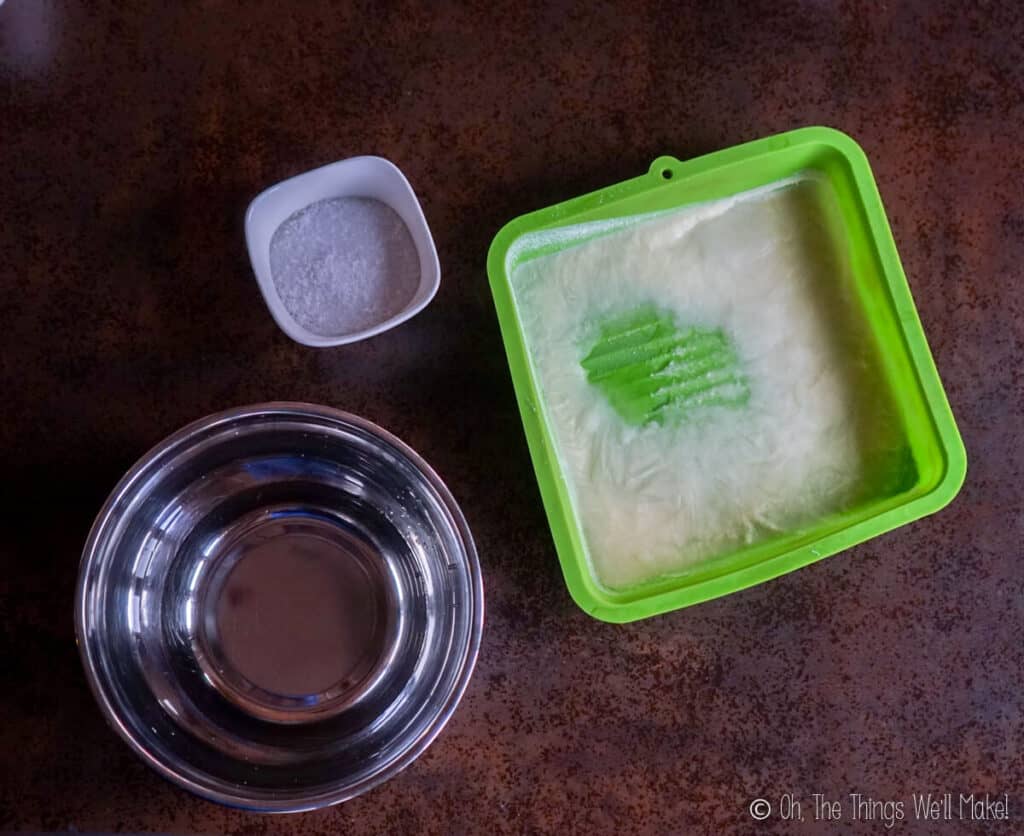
[(239, 799)]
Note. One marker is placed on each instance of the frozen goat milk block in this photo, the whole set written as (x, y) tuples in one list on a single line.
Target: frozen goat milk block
[(769, 270)]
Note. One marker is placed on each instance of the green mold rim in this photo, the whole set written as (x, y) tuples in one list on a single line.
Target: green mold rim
[(910, 377)]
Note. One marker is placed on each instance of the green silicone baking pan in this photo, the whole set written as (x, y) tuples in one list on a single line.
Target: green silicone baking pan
[(936, 460)]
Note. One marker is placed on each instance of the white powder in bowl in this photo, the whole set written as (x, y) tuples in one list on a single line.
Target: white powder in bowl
[(343, 265)]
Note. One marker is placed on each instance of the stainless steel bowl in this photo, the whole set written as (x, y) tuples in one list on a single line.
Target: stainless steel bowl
[(279, 607)]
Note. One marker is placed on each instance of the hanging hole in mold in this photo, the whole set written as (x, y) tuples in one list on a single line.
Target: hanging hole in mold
[(666, 173)]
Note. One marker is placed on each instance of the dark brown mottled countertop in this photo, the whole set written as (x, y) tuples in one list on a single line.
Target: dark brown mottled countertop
[(132, 137)]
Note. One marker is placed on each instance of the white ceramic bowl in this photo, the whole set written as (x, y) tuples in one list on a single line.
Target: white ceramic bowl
[(355, 177)]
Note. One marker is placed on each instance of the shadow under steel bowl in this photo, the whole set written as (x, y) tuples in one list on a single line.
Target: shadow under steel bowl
[(279, 607)]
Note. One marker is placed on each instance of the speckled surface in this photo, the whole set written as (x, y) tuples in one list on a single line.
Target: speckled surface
[(131, 140)]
